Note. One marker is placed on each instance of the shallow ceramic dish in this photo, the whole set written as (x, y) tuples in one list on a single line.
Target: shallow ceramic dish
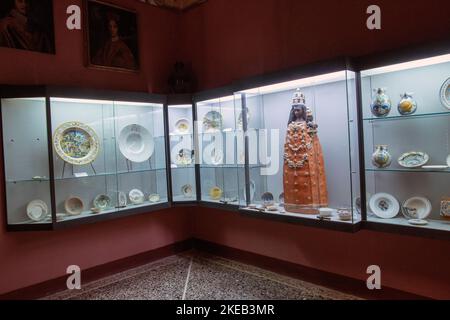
[(37, 210), (136, 143), (183, 157), (418, 222), (216, 156), (212, 122), (435, 167), (384, 205), (74, 206), (182, 126), (102, 202), (417, 208), (413, 159), (445, 94), (76, 143), (326, 212), (136, 196), (215, 193), (187, 191), (267, 199), (154, 198)]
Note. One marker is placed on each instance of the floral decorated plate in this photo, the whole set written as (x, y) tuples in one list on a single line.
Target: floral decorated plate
[(212, 121), (417, 208), (215, 193), (76, 143), (445, 94), (182, 126), (74, 206), (384, 205), (136, 196), (154, 198), (136, 143), (102, 202), (37, 210), (183, 157), (413, 159), (187, 191)]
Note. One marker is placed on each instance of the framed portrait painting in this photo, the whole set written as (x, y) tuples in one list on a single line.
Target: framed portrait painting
[(111, 37), (27, 25)]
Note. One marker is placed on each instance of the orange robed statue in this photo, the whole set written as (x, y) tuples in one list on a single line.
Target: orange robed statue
[(305, 186)]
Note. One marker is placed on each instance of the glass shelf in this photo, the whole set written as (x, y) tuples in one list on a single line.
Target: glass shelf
[(28, 180), (414, 116), (110, 174), (419, 170)]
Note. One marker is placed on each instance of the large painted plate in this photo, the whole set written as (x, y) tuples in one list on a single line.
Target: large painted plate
[(413, 159), (136, 143), (212, 121), (76, 143), (384, 205), (37, 210), (445, 94)]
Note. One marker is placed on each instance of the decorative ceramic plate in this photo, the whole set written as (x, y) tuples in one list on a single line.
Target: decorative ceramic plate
[(183, 157), (417, 208), (136, 143), (267, 199), (187, 191), (384, 205), (154, 198), (182, 126), (418, 222), (240, 121), (413, 159), (37, 210), (122, 197), (435, 167), (215, 193), (136, 196), (74, 206), (216, 157), (102, 202), (445, 94), (212, 121), (76, 143)]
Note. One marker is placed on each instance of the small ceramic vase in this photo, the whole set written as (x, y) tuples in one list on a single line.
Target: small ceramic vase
[(407, 104), (381, 104), (381, 158)]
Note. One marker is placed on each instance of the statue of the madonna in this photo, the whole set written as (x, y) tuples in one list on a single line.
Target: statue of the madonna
[(305, 187)]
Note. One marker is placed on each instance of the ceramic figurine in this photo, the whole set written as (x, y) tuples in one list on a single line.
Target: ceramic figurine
[(381, 158), (407, 104), (381, 104), (304, 180)]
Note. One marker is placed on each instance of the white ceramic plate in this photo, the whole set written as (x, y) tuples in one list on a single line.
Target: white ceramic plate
[(437, 167), (136, 196), (187, 191), (37, 210), (212, 121), (182, 126), (154, 198), (136, 143), (413, 159), (418, 222), (102, 202), (76, 143), (384, 205), (445, 94), (74, 206), (417, 208)]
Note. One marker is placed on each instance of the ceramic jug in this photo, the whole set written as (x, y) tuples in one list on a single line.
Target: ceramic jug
[(381, 104), (407, 104), (381, 158)]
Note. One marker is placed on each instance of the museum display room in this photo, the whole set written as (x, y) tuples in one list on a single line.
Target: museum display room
[(328, 145)]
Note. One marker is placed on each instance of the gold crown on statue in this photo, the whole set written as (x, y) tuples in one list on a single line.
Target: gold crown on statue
[(298, 98)]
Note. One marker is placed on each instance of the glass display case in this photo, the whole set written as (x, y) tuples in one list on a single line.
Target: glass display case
[(217, 144), (406, 116), (73, 156), (302, 158), (182, 152)]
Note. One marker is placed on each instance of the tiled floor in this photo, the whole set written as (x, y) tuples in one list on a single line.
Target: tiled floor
[(193, 276)]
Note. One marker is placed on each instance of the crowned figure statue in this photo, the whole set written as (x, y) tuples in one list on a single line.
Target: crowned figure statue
[(304, 180)]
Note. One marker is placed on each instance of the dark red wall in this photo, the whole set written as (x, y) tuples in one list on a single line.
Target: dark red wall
[(227, 40)]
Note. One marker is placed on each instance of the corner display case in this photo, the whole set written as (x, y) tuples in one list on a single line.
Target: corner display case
[(75, 156), (406, 115), (182, 151), (301, 155), (217, 145)]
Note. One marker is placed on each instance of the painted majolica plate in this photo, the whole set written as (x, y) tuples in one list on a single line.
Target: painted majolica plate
[(183, 157), (445, 94), (74, 206), (37, 210), (136, 196), (154, 198), (76, 143), (417, 208), (215, 193), (384, 205), (212, 121), (136, 143), (413, 159), (187, 191), (102, 202), (182, 126)]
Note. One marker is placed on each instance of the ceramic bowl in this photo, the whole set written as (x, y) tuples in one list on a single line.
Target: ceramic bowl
[(37, 210), (326, 212), (344, 214), (267, 199), (413, 159), (102, 202), (154, 198), (417, 208), (74, 206)]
